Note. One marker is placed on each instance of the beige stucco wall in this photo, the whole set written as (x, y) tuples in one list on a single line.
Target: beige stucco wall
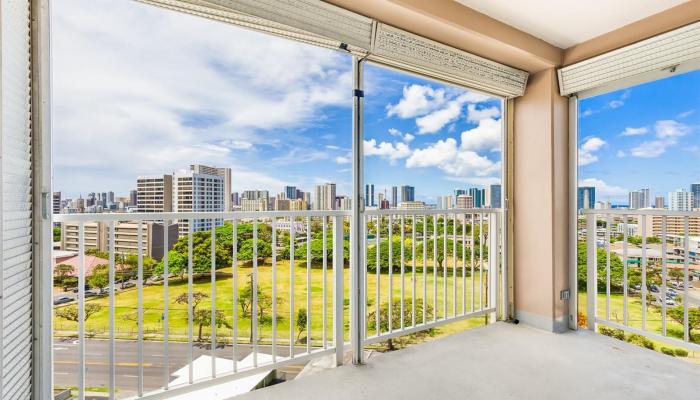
[(540, 201)]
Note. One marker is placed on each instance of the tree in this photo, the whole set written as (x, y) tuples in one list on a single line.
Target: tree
[(63, 271), (177, 264), (395, 255), (70, 313), (56, 234), (197, 297), (677, 314), (245, 300), (301, 321), (99, 277), (677, 274), (203, 318), (246, 251), (396, 317)]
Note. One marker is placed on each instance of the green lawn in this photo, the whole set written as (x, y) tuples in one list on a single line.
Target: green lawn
[(126, 303), (634, 318)]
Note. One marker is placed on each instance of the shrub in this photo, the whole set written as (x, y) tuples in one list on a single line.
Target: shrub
[(618, 334), (681, 353), (641, 341), (668, 351)]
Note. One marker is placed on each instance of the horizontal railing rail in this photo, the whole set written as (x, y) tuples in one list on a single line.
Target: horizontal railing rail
[(228, 215), (653, 275)]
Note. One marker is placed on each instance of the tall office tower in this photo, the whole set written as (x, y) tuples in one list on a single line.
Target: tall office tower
[(380, 199), (306, 196), (394, 196), (325, 197), (495, 196), (585, 198), (90, 200), (133, 198), (695, 190), (408, 193), (154, 193), (198, 192), (299, 194), (282, 204), (465, 201), (290, 192), (459, 192), (680, 200), (224, 173), (255, 194), (478, 196), (110, 197), (343, 203), (369, 195), (639, 199), (103, 197), (235, 200), (56, 202), (659, 202)]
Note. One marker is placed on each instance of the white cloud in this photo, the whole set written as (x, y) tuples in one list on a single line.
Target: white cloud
[(670, 129), (434, 121), (342, 160), (121, 108), (621, 154), (417, 100), (485, 137), (587, 113), (685, 114), (667, 133), (603, 189), (475, 115), (386, 150), (629, 131), (586, 153), (408, 138), (616, 103)]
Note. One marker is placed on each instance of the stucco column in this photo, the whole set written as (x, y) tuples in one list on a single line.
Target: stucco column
[(539, 204)]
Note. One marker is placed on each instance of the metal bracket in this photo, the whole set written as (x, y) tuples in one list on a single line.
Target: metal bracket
[(358, 93)]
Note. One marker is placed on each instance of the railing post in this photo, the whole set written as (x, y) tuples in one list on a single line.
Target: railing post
[(591, 269), (493, 265), (338, 290), (357, 241)]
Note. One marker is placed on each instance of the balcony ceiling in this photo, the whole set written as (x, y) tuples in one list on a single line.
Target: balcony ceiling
[(564, 23)]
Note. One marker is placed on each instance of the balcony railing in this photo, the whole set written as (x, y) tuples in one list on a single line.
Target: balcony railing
[(645, 276), (427, 268)]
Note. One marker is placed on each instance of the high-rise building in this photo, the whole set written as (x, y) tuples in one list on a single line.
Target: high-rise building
[(224, 173), (479, 196), (306, 196), (495, 196), (585, 199), (659, 202), (639, 199), (97, 236), (408, 193), (325, 197), (235, 200), (282, 204), (290, 192), (260, 204), (110, 197), (369, 195), (680, 200), (459, 192), (465, 201), (394, 196), (133, 198), (198, 192), (56, 202), (255, 194), (444, 202), (154, 193), (343, 203), (695, 190)]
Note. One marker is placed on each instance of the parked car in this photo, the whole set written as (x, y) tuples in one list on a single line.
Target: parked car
[(128, 284), (62, 299), (654, 288), (75, 289), (92, 293), (677, 285)]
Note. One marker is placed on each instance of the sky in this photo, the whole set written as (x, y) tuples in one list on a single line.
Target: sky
[(647, 136), (138, 90)]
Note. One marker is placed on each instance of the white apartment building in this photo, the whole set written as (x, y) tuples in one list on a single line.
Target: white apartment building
[(198, 192), (444, 202), (126, 238), (412, 205), (325, 197), (465, 201), (254, 204), (154, 193), (680, 200), (225, 173), (639, 199)]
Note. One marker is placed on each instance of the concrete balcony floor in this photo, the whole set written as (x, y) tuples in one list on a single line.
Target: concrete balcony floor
[(504, 361)]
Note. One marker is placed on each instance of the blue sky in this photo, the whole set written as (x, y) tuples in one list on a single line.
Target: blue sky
[(647, 136), (139, 90)]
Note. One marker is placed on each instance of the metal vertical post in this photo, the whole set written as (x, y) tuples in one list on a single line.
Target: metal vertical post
[(356, 225), (493, 265), (338, 290), (592, 269)]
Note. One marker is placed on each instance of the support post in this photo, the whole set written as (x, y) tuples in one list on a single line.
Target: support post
[(356, 224), (493, 265), (338, 290)]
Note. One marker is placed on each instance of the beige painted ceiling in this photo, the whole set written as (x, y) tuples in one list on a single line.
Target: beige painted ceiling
[(564, 23)]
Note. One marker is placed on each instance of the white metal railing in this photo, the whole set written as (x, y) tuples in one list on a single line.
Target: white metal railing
[(598, 234), (458, 250), (283, 351), (450, 260)]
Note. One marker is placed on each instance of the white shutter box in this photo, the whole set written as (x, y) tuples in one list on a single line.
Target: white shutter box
[(323, 24), (16, 202), (632, 64)]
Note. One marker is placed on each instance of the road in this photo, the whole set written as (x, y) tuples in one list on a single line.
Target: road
[(97, 362)]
